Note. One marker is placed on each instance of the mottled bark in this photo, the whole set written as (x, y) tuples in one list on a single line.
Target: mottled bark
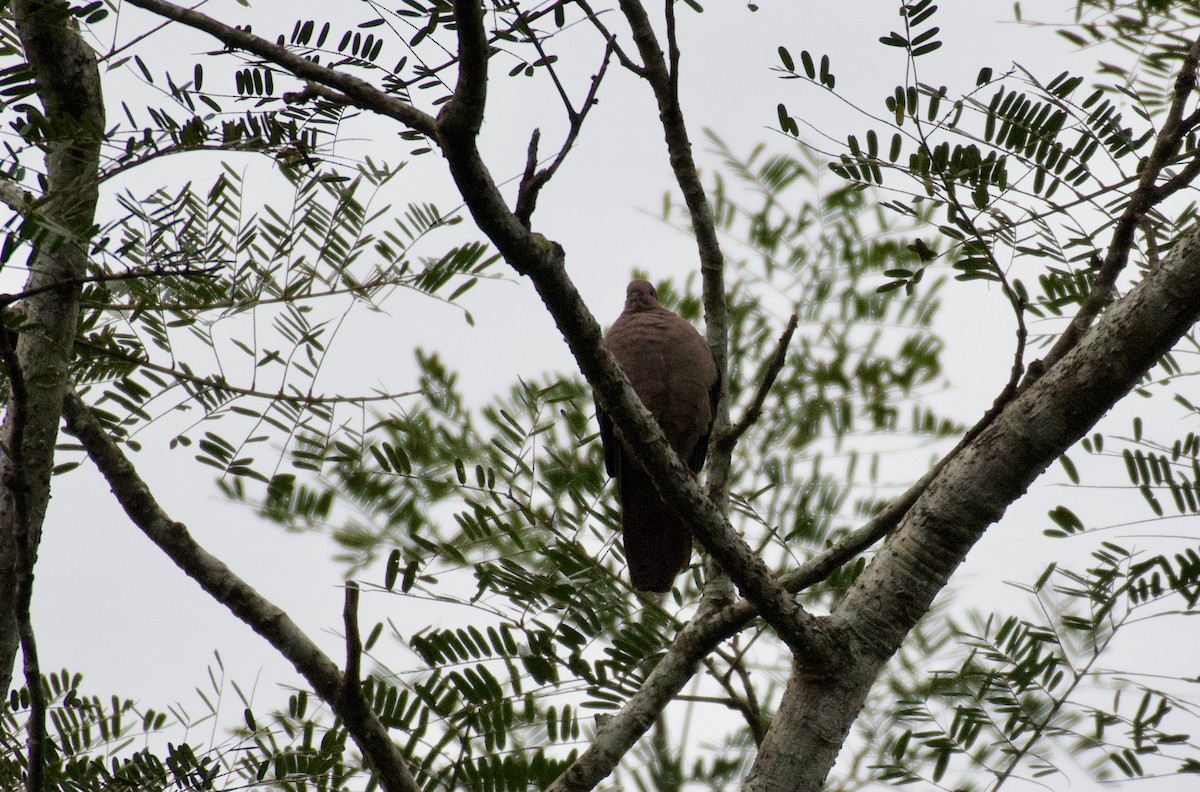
[(68, 86)]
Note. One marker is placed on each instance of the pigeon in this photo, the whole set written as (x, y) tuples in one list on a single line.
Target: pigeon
[(674, 374)]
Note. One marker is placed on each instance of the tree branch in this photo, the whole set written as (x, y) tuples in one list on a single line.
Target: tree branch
[(619, 732), (23, 541), (266, 619), (1145, 196), (532, 182), (213, 383), (362, 93), (663, 77), (726, 442), (68, 86), (354, 648), (462, 116), (622, 58)]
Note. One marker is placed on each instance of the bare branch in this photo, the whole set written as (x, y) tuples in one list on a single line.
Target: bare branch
[(266, 619), (744, 702), (354, 646), (531, 183), (754, 410), (528, 189), (622, 58)]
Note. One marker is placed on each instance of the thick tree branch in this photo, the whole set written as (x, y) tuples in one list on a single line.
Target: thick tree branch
[(219, 581), (970, 493), (68, 86)]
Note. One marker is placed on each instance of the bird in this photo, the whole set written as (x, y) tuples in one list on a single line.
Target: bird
[(673, 372)]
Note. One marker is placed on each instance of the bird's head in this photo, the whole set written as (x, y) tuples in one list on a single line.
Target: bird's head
[(640, 296)]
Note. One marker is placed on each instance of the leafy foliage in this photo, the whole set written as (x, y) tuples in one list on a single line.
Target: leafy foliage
[(1032, 694), (991, 162), (216, 312)]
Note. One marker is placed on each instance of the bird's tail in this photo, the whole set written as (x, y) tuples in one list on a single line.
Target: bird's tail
[(658, 545)]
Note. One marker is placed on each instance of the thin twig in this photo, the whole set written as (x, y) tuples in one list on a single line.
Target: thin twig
[(527, 190), (532, 183), (217, 383), (622, 58), (672, 50), (754, 411), (497, 35), (1015, 301), (139, 273), (746, 704), (535, 39), (1017, 370)]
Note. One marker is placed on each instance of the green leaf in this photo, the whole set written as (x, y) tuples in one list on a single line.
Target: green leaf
[(786, 58)]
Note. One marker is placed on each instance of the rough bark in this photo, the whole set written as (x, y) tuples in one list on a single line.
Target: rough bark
[(971, 493), (68, 85)]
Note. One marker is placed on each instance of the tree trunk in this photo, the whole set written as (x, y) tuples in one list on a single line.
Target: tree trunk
[(68, 85)]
